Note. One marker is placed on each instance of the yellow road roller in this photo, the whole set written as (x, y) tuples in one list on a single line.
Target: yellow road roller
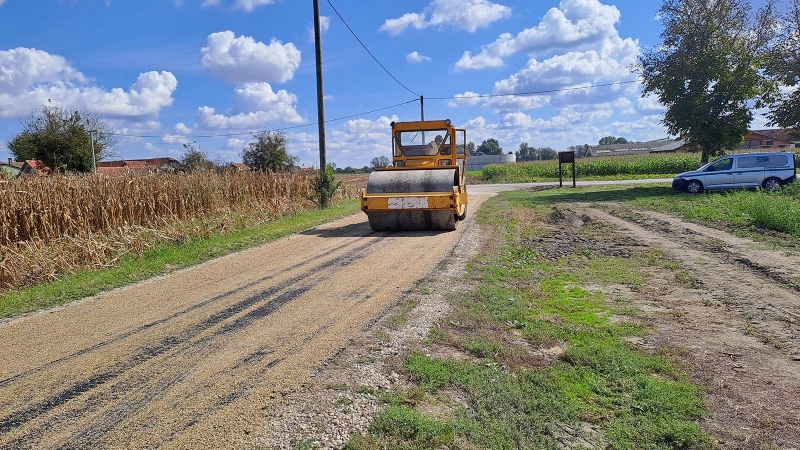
[(424, 188)]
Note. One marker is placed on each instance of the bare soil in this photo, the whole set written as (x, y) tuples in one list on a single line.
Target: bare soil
[(289, 343)]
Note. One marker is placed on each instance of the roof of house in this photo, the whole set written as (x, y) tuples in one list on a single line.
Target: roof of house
[(776, 134), (148, 162), (240, 166), (35, 167), (630, 148)]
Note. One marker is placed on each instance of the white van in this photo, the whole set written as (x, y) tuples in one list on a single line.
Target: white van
[(769, 171)]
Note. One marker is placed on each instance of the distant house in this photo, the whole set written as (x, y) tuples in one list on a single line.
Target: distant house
[(141, 166), (11, 169), (769, 139), (636, 148), (240, 167), (34, 167)]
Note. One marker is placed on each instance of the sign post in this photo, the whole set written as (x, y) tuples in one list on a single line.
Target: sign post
[(566, 158)]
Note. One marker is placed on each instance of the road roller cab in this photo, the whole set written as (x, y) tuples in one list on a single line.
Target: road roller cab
[(424, 189)]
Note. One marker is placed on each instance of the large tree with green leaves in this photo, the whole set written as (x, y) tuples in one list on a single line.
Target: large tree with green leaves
[(489, 147), (706, 69), (196, 160), (61, 138), (268, 151), (782, 65)]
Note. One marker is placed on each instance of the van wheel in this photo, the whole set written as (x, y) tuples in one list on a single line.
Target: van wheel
[(772, 184), (694, 187)]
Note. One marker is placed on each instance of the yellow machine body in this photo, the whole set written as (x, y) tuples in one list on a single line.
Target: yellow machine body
[(425, 187)]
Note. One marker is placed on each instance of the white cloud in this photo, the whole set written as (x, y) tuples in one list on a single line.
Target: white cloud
[(242, 59), (324, 24), (357, 140), (253, 106), (21, 68), (181, 128), (234, 144), (30, 78), (468, 98), (571, 70), (174, 139), (415, 58), (467, 15), (575, 24)]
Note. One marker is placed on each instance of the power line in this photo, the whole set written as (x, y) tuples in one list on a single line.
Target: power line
[(248, 133), (370, 53), (548, 91)]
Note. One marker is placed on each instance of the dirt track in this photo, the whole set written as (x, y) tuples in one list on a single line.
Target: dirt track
[(194, 359)]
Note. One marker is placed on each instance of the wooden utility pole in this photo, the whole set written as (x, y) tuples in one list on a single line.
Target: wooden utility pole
[(323, 165)]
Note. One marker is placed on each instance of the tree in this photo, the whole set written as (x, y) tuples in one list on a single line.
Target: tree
[(61, 138), (490, 147), (621, 140), (705, 69), (527, 153), (471, 149), (581, 151), (195, 160), (608, 140), (782, 66), (268, 151), (379, 161)]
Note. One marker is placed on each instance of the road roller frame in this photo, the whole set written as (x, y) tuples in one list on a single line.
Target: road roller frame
[(425, 188)]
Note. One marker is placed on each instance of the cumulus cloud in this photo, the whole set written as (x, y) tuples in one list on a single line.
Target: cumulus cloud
[(605, 65), (468, 98), (174, 139), (21, 68), (242, 59), (234, 144), (361, 140), (467, 15), (575, 24), (30, 78), (415, 58), (253, 106), (181, 128)]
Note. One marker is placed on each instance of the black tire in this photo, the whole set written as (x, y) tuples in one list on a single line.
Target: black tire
[(771, 184), (463, 216), (693, 187)]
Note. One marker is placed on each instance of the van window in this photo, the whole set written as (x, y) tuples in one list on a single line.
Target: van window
[(722, 164), (763, 161)]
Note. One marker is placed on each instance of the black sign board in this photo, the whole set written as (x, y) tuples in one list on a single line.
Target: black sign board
[(566, 157)]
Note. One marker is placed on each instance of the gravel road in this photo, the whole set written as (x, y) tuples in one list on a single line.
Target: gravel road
[(198, 358)]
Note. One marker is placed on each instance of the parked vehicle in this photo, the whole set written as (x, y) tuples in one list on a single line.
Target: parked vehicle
[(768, 171)]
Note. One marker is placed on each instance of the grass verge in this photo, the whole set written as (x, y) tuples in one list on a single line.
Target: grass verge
[(162, 260), (537, 359)]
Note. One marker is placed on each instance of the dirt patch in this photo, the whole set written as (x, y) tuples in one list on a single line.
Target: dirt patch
[(732, 317)]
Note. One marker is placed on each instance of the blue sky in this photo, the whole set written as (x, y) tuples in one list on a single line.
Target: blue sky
[(168, 72)]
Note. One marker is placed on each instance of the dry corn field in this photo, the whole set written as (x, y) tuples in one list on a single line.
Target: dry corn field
[(55, 225)]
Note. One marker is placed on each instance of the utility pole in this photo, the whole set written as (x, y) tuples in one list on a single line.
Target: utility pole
[(422, 114), (323, 165)]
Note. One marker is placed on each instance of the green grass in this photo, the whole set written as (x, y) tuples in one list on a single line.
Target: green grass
[(161, 260), (755, 214), (616, 168), (504, 399)]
